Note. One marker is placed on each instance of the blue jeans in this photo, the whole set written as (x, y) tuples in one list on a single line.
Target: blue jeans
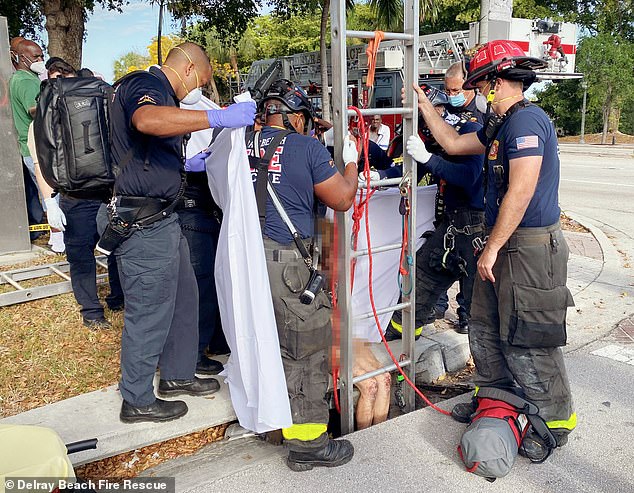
[(80, 238), (201, 229), (443, 302)]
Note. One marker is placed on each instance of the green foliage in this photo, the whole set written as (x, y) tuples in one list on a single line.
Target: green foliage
[(563, 101), (24, 18), (129, 62)]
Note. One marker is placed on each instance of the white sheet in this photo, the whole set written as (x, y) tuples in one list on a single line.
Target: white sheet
[(254, 372), (385, 229)]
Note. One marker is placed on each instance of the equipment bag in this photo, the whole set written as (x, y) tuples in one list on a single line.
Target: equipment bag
[(72, 135), (490, 444)]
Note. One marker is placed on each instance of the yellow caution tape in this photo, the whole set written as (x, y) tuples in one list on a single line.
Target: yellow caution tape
[(39, 227)]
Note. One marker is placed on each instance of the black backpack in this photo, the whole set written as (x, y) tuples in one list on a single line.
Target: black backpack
[(72, 136)]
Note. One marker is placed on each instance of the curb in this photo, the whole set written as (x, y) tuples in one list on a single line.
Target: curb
[(610, 255)]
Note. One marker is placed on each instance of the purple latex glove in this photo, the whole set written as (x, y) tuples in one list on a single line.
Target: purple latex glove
[(197, 162), (235, 116)]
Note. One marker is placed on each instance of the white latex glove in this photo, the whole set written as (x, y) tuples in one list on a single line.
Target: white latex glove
[(374, 176), (416, 149), (55, 216), (350, 153)]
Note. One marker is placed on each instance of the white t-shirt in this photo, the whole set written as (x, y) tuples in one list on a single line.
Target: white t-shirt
[(381, 137)]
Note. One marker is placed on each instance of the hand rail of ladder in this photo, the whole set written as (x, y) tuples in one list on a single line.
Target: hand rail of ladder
[(386, 36), (381, 311)]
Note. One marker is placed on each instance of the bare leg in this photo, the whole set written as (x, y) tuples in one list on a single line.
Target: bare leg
[(382, 402)]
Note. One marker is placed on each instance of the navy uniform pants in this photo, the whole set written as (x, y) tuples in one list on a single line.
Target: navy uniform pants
[(161, 309), (80, 238), (201, 229)]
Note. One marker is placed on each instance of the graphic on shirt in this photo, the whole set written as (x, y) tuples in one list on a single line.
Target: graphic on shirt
[(527, 142), (275, 165), (493, 152), (146, 98)]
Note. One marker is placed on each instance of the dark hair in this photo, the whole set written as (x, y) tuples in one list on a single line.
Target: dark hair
[(62, 67), (52, 60), (85, 72)]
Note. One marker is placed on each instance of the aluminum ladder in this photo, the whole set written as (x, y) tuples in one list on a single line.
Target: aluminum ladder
[(409, 111), (21, 294)]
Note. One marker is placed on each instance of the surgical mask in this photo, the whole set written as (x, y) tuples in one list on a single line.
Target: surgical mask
[(193, 96), (481, 103), (458, 100), (38, 67)]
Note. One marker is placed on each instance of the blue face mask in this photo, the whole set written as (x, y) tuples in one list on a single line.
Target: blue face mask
[(458, 100)]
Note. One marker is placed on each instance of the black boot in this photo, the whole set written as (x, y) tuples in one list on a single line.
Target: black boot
[(335, 453), (534, 448), (463, 323), (462, 412), (196, 386), (160, 411), (208, 366)]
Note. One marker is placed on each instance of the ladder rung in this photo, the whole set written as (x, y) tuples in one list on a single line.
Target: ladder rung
[(380, 371), (12, 282), (384, 248), (59, 273), (101, 263), (400, 306), (386, 36), (407, 110), (386, 182)]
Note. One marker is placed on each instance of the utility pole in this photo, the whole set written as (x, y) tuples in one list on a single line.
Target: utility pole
[(483, 29), (584, 86)]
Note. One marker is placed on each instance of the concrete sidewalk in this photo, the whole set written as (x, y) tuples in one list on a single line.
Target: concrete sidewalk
[(594, 279), (418, 451)]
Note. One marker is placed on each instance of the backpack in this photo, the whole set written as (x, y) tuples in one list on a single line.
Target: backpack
[(72, 136)]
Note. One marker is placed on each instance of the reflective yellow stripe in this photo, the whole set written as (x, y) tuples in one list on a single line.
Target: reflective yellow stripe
[(568, 424), (475, 392), (304, 432), (399, 328)]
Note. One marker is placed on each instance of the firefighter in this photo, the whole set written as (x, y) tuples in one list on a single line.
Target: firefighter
[(300, 169), (520, 298), (447, 254)]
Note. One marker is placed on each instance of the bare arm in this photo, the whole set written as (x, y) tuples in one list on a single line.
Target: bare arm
[(338, 191), (445, 134), (167, 121), (523, 176), (44, 187)]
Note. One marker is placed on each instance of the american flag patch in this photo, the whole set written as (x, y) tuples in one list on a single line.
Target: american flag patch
[(527, 142)]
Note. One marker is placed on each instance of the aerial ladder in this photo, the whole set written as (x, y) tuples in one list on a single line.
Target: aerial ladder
[(409, 39)]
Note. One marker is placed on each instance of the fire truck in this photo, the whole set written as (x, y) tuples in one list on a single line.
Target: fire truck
[(552, 41)]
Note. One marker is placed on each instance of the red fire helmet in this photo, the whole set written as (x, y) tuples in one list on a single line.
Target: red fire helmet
[(495, 57)]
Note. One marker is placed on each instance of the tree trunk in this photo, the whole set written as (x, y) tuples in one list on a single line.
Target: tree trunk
[(607, 106), (65, 27), (233, 60), (215, 96), (323, 57)]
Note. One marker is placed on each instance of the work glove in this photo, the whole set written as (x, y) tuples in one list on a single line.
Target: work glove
[(197, 162), (55, 216), (374, 176), (350, 153), (235, 116), (416, 149)]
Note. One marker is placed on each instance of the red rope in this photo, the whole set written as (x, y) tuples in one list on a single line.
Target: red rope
[(364, 205)]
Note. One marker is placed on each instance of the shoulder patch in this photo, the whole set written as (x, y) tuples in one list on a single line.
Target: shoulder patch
[(493, 152), (527, 142), (146, 98)]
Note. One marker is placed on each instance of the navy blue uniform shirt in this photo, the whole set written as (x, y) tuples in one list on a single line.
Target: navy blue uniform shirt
[(160, 176), (463, 175), (299, 163), (527, 132)]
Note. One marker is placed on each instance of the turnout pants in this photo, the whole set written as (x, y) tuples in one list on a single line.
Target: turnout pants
[(519, 323), (81, 237), (161, 309), (432, 279), (201, 230), (304, 333)]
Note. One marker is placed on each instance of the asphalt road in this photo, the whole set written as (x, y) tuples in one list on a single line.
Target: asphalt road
[(601, 189)]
